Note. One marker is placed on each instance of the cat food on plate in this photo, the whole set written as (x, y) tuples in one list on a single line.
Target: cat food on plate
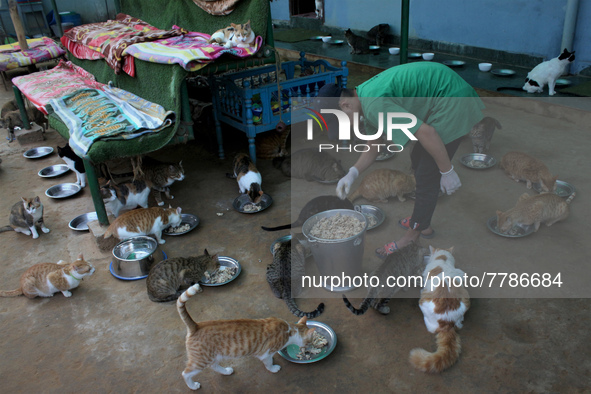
[(514, 232), (188, 223), (478, 161), (36, 153), (244, 204), (374, 215), (323, 344), (228, 271), (563, 189), (337, 227)]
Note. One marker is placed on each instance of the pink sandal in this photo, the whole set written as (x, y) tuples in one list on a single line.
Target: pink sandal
[(405, 224), (386, 250)]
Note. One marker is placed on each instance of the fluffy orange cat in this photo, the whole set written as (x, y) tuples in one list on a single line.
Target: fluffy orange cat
[(534, 210), (211, 341), (383, 183), (523, 167)]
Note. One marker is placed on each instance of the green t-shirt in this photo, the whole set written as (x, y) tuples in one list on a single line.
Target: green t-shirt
[(433, 92)]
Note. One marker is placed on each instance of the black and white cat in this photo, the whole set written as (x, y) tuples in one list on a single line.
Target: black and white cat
[(74, 163), (547, 73)]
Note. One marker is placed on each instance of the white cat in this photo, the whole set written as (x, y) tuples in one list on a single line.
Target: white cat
[(547, 73), (319, 8)]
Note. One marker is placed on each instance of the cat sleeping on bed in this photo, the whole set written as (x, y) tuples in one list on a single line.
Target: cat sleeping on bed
[(240, 36)]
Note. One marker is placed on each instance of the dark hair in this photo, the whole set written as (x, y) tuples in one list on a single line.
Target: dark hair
[(346, 92)]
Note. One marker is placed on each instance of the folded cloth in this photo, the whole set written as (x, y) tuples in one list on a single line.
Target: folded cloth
[(112, 113), (40, 50), (80, 51), (63, 79), (191, 51)]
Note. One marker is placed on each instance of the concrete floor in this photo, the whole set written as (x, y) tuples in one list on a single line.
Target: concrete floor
[(109, 337)]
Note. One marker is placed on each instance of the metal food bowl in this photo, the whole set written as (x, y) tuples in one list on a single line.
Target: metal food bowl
[(503, 72), (563, 82), (290, 352), (186, 218), (80, 223), (374, 47), (454, 63), (36, 153), (563, 189), (371, 211), (515, 232), (242, 201), (53, 171), (336, 42), (134, 257), (63, 190), (414, 55), (478, 161), (225, 262)]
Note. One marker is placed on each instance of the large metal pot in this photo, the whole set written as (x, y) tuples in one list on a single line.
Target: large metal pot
[(337, 257), (134, 257)]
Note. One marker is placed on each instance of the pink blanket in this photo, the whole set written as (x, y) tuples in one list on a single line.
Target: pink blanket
[(40, 50)]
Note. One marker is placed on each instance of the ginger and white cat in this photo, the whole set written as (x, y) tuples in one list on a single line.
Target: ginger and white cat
[(25, 216), (212, 341), (235, 35), (45, 279), (520, 166), (444, 301), (547, 73), (144, 221)]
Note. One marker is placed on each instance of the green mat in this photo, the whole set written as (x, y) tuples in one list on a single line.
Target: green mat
[(583, 89), (296, 35)]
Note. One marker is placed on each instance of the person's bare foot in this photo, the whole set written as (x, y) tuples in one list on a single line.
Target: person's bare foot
[(410, 236)]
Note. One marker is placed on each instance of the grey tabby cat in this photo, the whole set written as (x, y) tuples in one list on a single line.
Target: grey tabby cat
[(378, 33), (358, 44), (25, 215), (158, 176), (407, 261), (169, 278), (287, 269), (482, 132)]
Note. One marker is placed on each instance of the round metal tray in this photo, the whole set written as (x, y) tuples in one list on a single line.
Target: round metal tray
[(224, 262), (336, 42), (503, 72), (36, 153), (53, 171), (63, 190), (80, 223), (454, 63), (112, 271), (186, 218), (371, 210), (515, 232), (290, 352), (243, 200), (478, 161), (563, 189), (414, 55), (563, 82)]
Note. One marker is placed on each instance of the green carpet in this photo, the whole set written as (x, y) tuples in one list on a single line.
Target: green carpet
[(583, 89), (295, 35)]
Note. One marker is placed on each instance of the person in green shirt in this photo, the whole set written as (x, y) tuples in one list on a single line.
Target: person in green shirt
[(445, 107)]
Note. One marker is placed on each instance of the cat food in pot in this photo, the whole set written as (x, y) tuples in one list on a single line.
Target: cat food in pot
[(337, 227)]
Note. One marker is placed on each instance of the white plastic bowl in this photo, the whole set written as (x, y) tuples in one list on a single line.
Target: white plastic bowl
[(394, 51), (326, 39), (484, 66), (428, 56)]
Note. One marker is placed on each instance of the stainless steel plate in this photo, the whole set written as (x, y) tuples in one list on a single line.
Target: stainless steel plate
[(316, 38), (290, 352), (563, 82), (371, 211), (478, 161), (336, 42), (186, 218), (63, 190), (515, 232), (113, 270), (385, 155), (36, 153), (563, 189), (225, 263), (503, 72), (53, 171), (242, 202), (374, 47), (453, 63), (414, 55), (80, 223)]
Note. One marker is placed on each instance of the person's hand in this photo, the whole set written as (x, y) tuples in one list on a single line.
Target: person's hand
[(450, 181), (345, 183)]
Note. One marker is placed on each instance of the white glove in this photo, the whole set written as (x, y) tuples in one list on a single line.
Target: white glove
[(450, 181), (345, 183)]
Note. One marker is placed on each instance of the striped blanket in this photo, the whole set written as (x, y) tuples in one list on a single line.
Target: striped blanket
[(112, 113), (40, 50)]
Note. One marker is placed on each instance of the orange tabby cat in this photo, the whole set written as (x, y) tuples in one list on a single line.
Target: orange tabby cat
[(522, 167), (144, 221), (211, 341), (383, 183), (444, 301), (543, 208), (45, 279)]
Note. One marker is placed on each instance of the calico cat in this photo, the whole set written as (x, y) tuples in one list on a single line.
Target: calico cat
[(443, 302), (407, 261), (312, 207), (547, 73), (383, 183), (523, 167), (312, 165), (25, 215), (125, 196), (248, 177), (74, 163), (211, 341), (542, 208), (45, 279), (358, 44), (284, 276), (378, 33), (158, 176), (169, 278), (240, 36), (272, 144), (482, 132), (144, 221)]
